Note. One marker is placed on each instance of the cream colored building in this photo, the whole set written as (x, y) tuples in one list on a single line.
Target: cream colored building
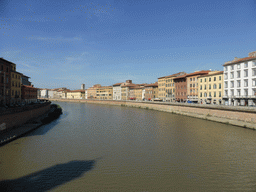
[(76, 94), (104, 93), (92, 91), (166, 87), (210, 88)]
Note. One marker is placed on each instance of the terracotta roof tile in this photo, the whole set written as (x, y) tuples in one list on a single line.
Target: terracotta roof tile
[(239, 60)]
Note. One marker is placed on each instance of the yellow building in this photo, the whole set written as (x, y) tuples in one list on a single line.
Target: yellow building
[(92, 91), (15, 86), (76, 94), (166, 87), (104, 93), (210, 88)]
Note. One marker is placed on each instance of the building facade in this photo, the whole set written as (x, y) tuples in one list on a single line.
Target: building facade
[(117, 91), (180, 88), (5, 83), (192, 85), (104, 93), (210, 88), (166, 87), (92, 91), (75, 94), (28, 93), (151, 91), (240, 81)]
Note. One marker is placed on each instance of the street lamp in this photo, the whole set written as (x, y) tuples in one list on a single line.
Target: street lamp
[(4, 86)]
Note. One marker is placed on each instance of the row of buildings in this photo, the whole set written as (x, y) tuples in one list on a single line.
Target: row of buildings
[(235, 85), (15, 87)]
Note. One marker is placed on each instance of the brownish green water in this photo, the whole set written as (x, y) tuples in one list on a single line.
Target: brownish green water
[(111, 148)]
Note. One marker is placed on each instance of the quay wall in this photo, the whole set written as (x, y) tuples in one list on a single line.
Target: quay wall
[(238, 116), (18, 118)]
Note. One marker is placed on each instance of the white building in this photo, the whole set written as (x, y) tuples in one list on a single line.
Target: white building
[(44, 93), (240, 81), (117, 91)]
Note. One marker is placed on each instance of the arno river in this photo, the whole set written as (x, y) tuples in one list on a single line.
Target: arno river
[(112, 148)]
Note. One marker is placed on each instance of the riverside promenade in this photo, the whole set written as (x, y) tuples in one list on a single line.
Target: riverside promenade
[(30, 125), (234, 115)]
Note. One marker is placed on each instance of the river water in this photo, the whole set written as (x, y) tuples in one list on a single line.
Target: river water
[(94, 147)]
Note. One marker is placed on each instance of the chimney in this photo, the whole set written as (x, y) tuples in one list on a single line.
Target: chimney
[(252, 54)]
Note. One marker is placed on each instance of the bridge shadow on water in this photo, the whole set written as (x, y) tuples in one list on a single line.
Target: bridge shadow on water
[(48, 178)]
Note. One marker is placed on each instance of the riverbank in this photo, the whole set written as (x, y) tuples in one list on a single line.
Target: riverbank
[(238, 116), (12, 134)]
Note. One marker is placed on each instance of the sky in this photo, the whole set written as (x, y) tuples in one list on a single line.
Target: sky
[(66, 43)]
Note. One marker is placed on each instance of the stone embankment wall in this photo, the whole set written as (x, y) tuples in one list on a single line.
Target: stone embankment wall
[(238, 116), (17, 118)]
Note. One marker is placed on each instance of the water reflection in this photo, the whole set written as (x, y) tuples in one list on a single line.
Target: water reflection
[(49, 178)]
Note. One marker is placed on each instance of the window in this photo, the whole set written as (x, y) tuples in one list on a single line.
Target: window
[(219, 77), (225, 76), (238, 74), (7, 69), (245, 73), (190, 85), (254, 72), (245, 92), (210, 86), (226, 92), (201, 94), (219, 85), (205, 94), (238, 83), (194, 85), (204, 87), (201, 80), (226, 84), (245, 64), (232, 84), (2, 67), (210, 94), (209, 79), (231, 75), (238, 92), (194, 79), (190, 79), (254, 64), (219, 93), (232, 67), (232, 92), (200, 87), (214, 79), (246, 83), (204, 79), (225, 68), (254, 82), (214, 86), (214, 95), (238, 66)]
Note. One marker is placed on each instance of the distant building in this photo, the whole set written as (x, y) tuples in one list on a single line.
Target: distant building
[(151, 91), (240, 81), (92, 91), (117, 91), (75, 94), (166, 87), (192, 85), (83, 87), (104, 93), (28, 93)]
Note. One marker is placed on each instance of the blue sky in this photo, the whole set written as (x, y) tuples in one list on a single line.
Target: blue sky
[(66, 43)]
